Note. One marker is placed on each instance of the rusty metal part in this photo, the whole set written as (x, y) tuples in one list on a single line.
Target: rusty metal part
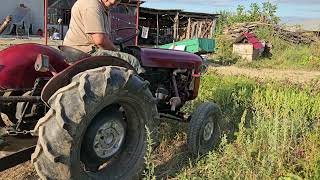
[(3, 132), (62, 79), (169, 117), (174, 82), (6, 120), (4, 117), (16, 151), (20, 99), (16, 158), (175, 101), (5, 24)]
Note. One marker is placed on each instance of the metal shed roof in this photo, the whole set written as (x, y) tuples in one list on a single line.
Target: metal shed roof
[(175, 11)]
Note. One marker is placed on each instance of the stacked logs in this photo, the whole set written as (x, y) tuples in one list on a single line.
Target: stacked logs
[(295, 37), (238, 29)]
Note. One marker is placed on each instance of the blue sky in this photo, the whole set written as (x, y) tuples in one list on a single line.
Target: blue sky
[(292, 11)]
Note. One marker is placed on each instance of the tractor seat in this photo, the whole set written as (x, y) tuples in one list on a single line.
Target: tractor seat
[(72, 54)]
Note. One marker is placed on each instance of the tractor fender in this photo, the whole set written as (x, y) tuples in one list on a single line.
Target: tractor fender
[(64, 77)]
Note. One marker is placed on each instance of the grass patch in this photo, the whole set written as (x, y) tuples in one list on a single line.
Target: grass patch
[(272, 131)]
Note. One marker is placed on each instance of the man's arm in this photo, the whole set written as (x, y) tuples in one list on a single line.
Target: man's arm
[(102, 41)]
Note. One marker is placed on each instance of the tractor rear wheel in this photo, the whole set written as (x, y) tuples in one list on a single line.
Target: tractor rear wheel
[(95, 128), (204, 128)]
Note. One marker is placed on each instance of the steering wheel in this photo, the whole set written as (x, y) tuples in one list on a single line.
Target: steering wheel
[(120, 41)]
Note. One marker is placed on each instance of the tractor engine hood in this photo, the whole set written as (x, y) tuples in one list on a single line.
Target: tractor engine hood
[(165, 58)]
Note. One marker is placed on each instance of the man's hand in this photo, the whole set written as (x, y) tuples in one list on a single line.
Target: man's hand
[(103, 41)]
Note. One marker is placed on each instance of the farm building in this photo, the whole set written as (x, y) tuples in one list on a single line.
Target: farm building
[(29, 14), (166, 26)]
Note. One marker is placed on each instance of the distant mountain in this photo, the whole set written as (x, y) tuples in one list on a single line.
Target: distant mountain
[(306, 23)]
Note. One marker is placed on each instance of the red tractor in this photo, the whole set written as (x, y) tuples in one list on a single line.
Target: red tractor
[(90, 117)]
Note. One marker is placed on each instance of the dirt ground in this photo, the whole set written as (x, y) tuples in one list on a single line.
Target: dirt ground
[(9, 41), (294, 76), (22, 171)]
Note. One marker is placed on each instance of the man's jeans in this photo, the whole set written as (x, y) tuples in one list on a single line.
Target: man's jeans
[(125, 56)]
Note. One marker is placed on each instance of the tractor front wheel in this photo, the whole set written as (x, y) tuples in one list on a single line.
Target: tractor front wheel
[(204, 128), (96, 127)]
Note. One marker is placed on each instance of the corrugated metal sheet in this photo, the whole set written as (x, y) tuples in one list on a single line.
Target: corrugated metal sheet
[(253, 40)]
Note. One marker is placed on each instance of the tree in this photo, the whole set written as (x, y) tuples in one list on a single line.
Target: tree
[(254, 12), (266, 13), (269, 12)]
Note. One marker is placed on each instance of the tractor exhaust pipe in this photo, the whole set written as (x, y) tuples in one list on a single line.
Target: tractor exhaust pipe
[(20, 99), (5, 24)]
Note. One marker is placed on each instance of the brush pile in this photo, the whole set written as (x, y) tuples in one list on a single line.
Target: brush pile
[(238, 29)]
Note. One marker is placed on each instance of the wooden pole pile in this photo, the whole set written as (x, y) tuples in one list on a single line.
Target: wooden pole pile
[(294, 37), (238, 29)]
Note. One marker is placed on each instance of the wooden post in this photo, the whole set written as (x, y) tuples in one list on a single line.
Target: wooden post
[(193, 29), (178, 23), (188, 36), (157, 29), (200, 29), (5, 23), (176, 27), (213, 28), (137, 22), (207, 31), (46, 22), (174, 30)]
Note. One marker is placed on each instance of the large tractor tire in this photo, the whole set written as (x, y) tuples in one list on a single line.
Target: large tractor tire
[(204, 128), (96, 127)]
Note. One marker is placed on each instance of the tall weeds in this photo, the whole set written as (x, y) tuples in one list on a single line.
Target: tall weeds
[(275, 131), (148, 173)]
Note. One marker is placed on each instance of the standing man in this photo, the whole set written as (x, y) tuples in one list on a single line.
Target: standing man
[(90, 30)]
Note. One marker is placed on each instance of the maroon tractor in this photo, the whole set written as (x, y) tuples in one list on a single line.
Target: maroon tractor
[(90, 118)]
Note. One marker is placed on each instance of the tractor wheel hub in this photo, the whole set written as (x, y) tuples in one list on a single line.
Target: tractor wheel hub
[(208, 131), (109, 138)]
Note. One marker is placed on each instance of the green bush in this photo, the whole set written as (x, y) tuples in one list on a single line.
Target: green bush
[(224, 54)]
